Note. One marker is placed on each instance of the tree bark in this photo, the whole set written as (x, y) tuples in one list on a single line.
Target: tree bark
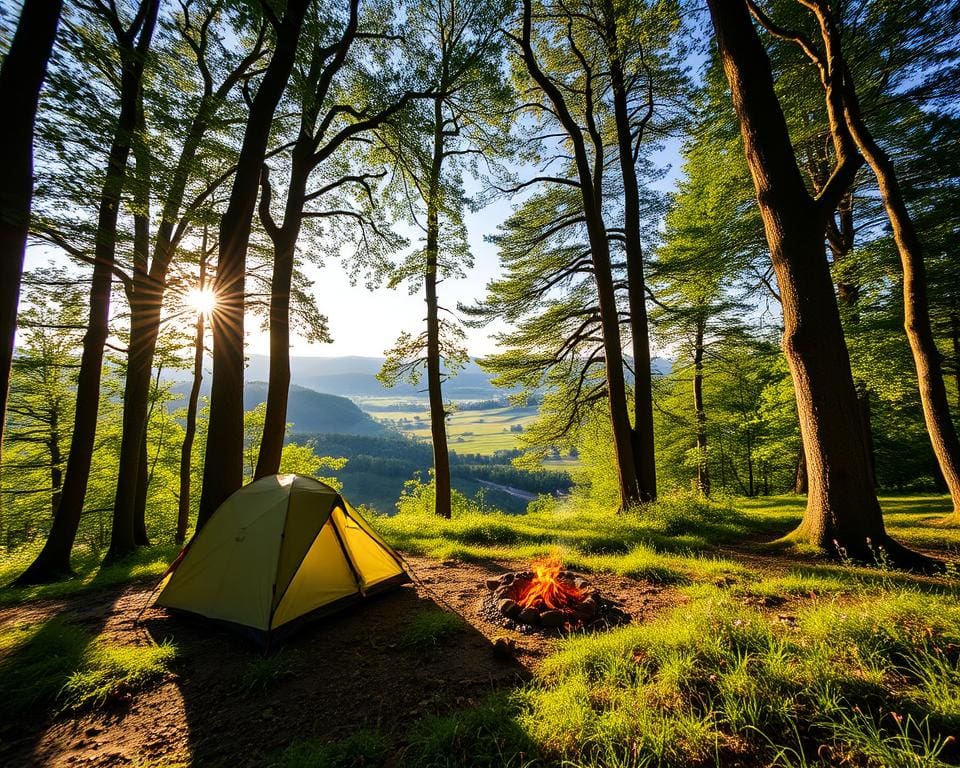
[(53, 562), (186, 450), (642, 433), (124, 533), (916, 309), (955, 338), (438, 414), (842, 509), (21, 78), (703, 467), (223, 467), (800, 479), (590, 181)]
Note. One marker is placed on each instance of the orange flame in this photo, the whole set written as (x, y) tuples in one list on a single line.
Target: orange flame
[(547, 590)]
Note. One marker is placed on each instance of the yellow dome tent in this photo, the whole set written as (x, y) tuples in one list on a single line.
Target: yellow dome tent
[(282, 548)]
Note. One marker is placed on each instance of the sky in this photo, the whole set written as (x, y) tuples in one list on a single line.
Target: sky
[(367, 323)]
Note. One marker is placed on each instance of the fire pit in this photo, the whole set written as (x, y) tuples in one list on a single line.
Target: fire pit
[(548, 597)]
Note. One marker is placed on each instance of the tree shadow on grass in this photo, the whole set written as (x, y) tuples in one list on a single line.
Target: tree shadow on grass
[(362, 669)]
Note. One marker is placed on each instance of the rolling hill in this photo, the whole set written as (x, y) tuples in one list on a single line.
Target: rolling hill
[(309, 410)]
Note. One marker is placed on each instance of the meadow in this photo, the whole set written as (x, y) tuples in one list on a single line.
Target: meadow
[(750, 653)]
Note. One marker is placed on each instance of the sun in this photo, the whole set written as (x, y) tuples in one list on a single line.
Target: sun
[(202, 300)]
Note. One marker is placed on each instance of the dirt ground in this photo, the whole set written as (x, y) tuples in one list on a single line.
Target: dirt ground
[(350, 673)]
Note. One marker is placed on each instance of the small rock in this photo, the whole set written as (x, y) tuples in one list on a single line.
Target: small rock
[(504, 647), (93, 731), (507, 579), (502, 592), (529, 616), (581, 584), (508, 608), (492, 583), (552, 618)]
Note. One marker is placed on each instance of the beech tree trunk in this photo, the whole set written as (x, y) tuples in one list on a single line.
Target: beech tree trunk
[(223, 465), (53, 562), (190, 432), (642, 434), (842, 509), (703, 467), (800, 479), (21, 78), (916, 308)]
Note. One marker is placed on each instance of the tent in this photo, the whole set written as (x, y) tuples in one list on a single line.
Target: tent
[(279, 550)]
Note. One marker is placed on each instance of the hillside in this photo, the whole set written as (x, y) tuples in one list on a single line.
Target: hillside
[(311, 411)]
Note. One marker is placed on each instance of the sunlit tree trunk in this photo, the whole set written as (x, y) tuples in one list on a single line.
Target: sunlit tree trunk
[(21, 78), (916, 308), (590, 180), (842, 508), (223, 465), (53, 562), (438, 414)]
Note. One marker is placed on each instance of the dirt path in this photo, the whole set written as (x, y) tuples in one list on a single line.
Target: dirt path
[(343, 673)]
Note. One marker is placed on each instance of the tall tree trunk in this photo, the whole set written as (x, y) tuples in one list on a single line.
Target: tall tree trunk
[(590, 181), (53, 562), (642, 434), (438, 414), (223, 467), (703, 467), (955, 337), (56, 459), (916, 309), (842, 508), (21, 78), (136, 391), (278, 388), (186, 450)]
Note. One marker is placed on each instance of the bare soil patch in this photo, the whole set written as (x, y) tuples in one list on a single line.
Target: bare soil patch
[(342, 673)]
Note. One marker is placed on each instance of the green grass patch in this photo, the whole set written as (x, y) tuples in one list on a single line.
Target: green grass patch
[(362, 749), (486, 736), (872, 682), (145, 563), (427, 629), (266, 672), (36, 661), (108, 671)]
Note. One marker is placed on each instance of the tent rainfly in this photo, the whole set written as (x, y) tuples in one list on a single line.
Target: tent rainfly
[(280, 550)]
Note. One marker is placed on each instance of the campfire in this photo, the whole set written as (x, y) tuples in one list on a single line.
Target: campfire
[(546, 596)]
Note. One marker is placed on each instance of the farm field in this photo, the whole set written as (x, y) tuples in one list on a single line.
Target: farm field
[(483, 431)]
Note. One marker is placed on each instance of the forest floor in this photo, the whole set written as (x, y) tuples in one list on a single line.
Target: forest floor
[(412, 677)]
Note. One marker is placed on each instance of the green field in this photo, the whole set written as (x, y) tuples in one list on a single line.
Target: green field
[(468, 431)]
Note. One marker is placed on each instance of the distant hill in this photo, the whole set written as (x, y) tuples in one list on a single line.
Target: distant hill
[(309, 410), (356, 376)]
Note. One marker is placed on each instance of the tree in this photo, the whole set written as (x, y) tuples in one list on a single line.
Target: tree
[(842, 508), (185, 181), (21, 78), (132, 41), (223, 467), (460, 60), (335, 73)]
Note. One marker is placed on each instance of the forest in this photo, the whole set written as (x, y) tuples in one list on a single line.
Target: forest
[(711, 515)]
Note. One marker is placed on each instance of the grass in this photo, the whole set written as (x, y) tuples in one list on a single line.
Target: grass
[(90, 574), (109, 671), (468, 431), (266, 672), (866, 683), (57, 665), (427, 629), (362, 748)]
